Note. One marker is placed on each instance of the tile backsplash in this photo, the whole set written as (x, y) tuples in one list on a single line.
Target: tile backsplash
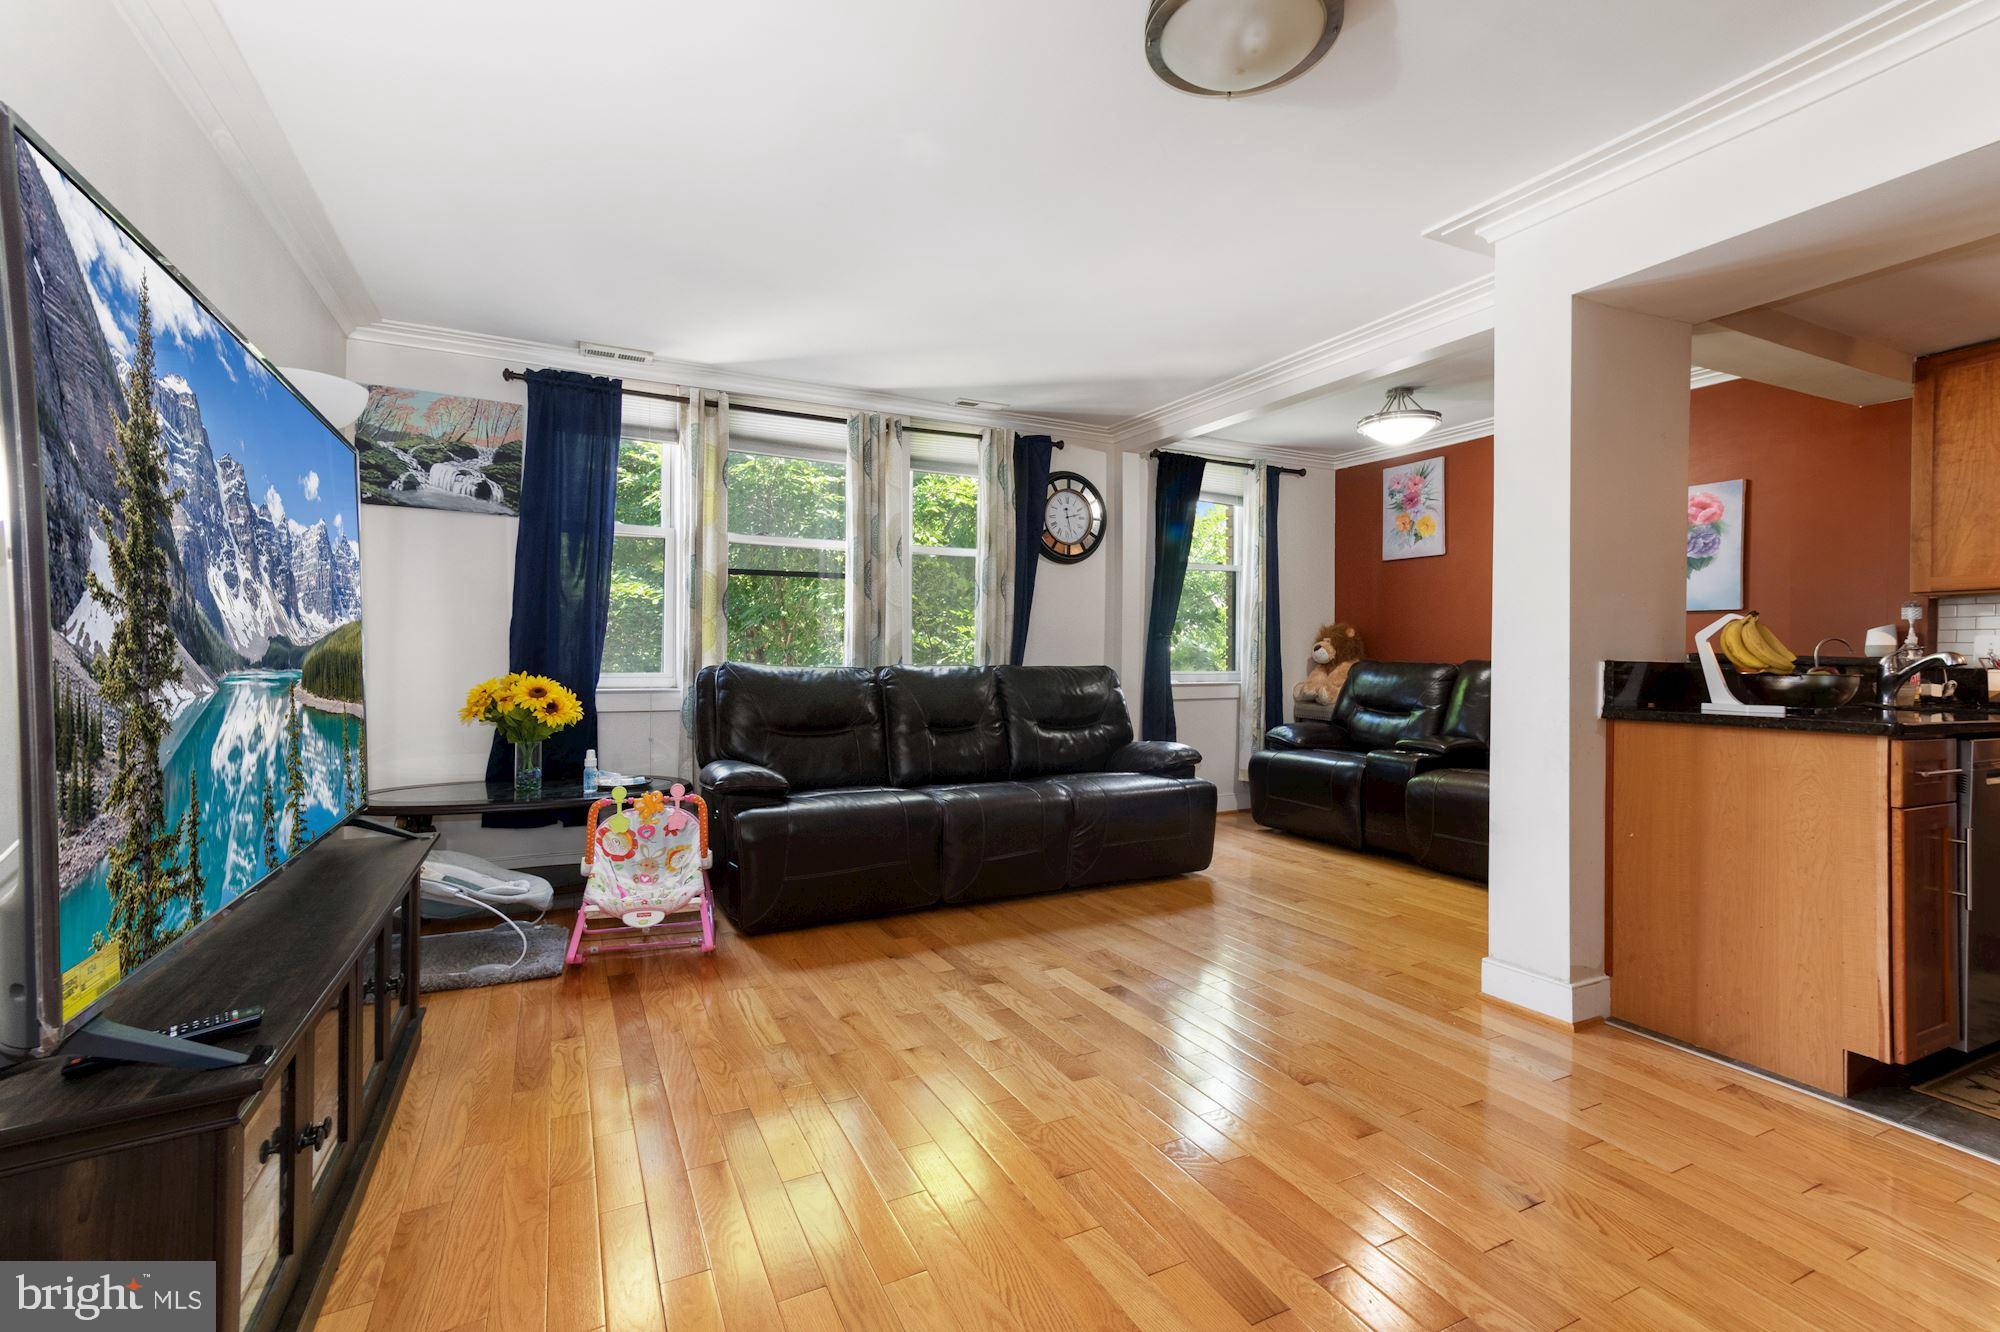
[(1970, 625)]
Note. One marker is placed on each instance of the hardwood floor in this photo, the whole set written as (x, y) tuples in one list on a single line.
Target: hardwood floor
[(1268, 1096)]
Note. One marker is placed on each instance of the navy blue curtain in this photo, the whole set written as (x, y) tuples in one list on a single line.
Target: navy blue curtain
[(562, 557), (1176, 491), (1031, 494), (1274, 652)]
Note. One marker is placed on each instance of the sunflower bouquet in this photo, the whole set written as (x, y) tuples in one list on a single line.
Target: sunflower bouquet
[(526, 709)]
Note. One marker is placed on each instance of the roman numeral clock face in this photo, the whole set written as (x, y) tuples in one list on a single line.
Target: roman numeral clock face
[(1072, 518)]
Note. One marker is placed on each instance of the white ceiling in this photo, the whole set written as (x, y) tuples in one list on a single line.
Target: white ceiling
[(1458, 384), (945, 199), (1931, 305)]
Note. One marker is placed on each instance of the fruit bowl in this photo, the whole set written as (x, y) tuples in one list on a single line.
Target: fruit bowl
[(1825, 690)]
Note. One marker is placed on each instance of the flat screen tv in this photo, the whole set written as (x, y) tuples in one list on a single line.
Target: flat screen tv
[(185, 608)]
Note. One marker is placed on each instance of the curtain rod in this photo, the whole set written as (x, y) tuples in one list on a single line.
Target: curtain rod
[(1232, 462), (513, 375)]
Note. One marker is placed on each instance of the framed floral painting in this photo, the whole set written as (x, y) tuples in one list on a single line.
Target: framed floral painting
[(1413, 510), (1717, 515)]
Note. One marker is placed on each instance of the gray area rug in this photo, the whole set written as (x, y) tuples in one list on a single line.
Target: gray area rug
[(468, 959)]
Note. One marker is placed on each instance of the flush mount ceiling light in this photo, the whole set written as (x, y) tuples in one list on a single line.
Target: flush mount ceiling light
[(1226, 48), (1401, 420)]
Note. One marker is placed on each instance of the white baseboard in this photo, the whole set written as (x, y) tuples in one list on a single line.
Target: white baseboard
[(1566, 1001)]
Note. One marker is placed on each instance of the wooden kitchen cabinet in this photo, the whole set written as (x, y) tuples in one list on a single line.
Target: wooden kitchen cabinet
[(1923, 934), (1787, 898), (1955, 471)]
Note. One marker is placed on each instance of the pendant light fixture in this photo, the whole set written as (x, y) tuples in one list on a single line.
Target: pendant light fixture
[(1401, 421), (1227, 48)]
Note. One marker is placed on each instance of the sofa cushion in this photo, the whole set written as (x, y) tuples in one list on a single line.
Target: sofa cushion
[(943, 725), (1062, 718), (1001, 839), (832, 855), (1386, 701), (1469, 716), (816, 728), (1316, 792), (1128, 825), (1447, 815)]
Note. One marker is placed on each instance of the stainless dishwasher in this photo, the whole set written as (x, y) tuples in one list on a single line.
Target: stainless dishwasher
[(1979, 897)]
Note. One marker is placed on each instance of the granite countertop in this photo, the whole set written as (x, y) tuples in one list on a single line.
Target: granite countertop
[(1672, 692)]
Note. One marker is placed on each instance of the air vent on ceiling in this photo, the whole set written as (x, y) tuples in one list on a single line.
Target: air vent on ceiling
[(976, 402), (605, 351)]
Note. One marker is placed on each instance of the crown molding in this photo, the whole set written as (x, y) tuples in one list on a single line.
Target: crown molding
[(1382, 346), (1288, 455), (667, 372), (194, 51), (1839, 60)]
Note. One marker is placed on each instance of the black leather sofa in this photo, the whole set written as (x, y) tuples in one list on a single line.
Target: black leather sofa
[(847, 792), (1401, 768)]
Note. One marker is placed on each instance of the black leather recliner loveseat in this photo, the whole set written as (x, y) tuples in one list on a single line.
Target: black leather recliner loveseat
[(848, 792), (1401, 768)]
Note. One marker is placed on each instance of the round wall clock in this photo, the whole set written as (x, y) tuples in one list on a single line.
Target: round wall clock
[(1072, 518)]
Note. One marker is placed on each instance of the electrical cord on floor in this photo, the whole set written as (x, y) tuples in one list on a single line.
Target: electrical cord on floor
[(433, 886)]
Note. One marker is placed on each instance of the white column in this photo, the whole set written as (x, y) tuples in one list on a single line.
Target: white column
[(1590, 499)]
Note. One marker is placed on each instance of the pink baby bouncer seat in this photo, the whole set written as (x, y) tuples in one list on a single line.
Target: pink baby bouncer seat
[(645, 866)]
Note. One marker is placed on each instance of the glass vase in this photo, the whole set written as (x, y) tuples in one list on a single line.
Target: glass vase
[(527, 768)]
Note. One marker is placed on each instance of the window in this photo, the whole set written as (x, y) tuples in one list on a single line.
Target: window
[(944, 578), (1204, 642), (639, 632), (786, 601)]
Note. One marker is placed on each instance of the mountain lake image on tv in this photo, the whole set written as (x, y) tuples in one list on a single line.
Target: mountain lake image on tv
[(204, 582)]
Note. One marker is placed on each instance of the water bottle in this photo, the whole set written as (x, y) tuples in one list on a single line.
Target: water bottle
[(590, 772)]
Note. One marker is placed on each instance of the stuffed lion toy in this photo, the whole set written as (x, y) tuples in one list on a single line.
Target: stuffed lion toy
[(1335, 650)]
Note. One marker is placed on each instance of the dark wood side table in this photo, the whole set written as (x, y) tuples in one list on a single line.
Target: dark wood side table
[(415, 807)]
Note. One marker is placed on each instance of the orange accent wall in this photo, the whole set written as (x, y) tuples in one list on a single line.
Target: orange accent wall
[(1828, 546), (1827, 550), (1440, 607)]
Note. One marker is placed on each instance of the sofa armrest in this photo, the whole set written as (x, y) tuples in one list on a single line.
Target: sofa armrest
[(1447, 751), (1161, 758), (1307, 735), (733, 777)]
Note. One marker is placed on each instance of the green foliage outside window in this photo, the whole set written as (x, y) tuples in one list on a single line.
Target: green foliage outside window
[(632, 636), (637, 620), (1205, 630), (787, 621), (944, 512), (786, 497), (772, 618), (778, 620), (639, 464)]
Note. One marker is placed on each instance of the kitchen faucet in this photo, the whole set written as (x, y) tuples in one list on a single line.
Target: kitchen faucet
[(1894, 677)]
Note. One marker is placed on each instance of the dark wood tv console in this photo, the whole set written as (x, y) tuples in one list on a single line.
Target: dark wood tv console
[(257, 1167)]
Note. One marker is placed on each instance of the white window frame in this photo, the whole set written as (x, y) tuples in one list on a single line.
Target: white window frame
[(802, 454), (969, 552), (672, 467), (1235, 566)]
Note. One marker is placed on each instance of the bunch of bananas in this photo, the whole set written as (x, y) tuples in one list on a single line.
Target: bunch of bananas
[(1752, 648)]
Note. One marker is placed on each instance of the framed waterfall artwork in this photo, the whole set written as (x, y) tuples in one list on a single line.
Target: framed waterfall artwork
[(1413, 510), (1717, 515), (440, 451)]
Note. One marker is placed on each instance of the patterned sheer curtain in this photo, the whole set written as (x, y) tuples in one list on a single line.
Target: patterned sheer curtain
[(993, 617), (704, 529), (1250, 628), (878, 540)]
